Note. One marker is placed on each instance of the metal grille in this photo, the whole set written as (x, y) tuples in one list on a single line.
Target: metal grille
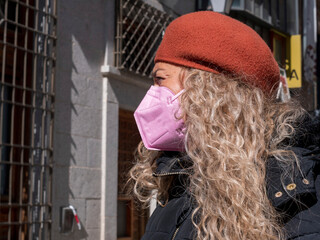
[(139, 31), (27, 46)]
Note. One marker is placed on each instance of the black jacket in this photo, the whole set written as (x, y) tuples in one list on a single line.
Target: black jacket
[(295, 196)]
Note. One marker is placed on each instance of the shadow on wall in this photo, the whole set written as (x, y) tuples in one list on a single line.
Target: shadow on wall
[(77, 122)]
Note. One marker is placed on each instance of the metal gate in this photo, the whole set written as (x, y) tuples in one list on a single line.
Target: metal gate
[(27, 59)]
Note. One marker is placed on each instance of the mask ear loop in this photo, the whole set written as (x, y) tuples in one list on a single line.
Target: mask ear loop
[(177, 95)]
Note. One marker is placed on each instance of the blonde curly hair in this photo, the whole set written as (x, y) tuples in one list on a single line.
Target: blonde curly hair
[(231, 130)]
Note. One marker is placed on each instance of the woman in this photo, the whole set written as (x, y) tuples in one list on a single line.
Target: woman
[(220, 152)]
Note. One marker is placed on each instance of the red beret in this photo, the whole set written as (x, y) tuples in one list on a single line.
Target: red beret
[(217, 43)]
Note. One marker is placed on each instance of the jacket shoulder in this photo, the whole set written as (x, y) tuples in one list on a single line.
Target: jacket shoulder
[(291, 188), (300, 190)]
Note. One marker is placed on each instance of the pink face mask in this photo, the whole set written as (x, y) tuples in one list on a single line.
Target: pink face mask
[(156, 118)]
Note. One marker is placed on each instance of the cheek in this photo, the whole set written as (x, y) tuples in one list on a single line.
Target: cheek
[(174, 85)]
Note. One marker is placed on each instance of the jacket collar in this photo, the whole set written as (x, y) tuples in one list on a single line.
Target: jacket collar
[(307, 133), (172, 163)]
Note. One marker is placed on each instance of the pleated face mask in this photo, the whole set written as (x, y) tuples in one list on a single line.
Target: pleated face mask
[(156, 118)]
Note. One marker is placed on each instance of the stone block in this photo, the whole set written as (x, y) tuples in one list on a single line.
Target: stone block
[(112, 124), (62, 116), (85, 182), (87, 92), (124, 93), (93, 214), (86, 122), (111, 228), (70, 150), (111, 198), (112, 160), (94, 234), (60, 183), (94, 153), (63, 86), (111, 94), (87, 36)]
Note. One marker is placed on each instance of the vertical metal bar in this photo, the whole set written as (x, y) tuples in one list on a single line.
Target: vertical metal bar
[(120, 32), (13, 110), (42, 100), (14, 98), (50, 121), (23, 119), (3, 167), (29, 208), (15, 51), (47, 116), (117, 47), (43, 121), (38, 121), (32, 198), (20, 199)]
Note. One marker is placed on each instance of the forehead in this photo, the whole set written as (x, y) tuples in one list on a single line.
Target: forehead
[(167, 67)]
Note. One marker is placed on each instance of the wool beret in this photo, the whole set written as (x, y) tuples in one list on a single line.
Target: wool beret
[(217, 43)]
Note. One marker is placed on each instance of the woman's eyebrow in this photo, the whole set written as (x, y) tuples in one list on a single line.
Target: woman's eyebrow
[(155, 72)]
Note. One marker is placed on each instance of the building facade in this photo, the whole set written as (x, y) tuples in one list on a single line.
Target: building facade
[(72, 74)]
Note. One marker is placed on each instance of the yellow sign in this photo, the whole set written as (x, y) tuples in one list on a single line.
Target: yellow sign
[(294, 64)]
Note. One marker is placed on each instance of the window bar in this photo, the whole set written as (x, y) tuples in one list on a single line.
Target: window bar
[(43, 125), (30, 29), (119, 37), (14, 99), (136, 43), (31, 7), (43, 130), (26, 165), (32, 212), (135, 18), (154, 42), (22, 152), (134, 5), (24, 79), (27, 105), (2, 91), (25, 222), (28, 89), (38, 123), (21, 48), (47, 78), (135, 31), (12, 132), (139, 40), (20, 194), (47, 125), (25, 205), (3, 168), (148, 65)]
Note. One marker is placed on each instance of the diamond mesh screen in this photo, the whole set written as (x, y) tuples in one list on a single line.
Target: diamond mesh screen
[(138, 34)]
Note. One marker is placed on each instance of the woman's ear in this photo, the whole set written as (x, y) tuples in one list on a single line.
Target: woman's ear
[(182, 76)]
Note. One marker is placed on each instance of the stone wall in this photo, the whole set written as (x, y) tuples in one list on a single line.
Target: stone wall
[(77, 121)]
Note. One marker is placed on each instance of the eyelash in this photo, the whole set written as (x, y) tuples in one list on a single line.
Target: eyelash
[(157, 79)]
